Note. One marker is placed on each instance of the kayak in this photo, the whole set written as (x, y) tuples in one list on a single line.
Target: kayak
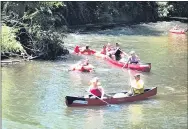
[(80, 68), (117, 98), (177, 31), (144, 67), (85, 52)]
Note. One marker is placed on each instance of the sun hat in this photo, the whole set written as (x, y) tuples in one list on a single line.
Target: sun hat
[(95, 79), (137, 75)]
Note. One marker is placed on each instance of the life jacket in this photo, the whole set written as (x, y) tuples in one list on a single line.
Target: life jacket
[(76, 49), (96, 92), (139, 87), (133, 59)]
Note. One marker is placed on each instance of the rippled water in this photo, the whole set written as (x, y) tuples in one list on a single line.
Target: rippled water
[(33, 92)]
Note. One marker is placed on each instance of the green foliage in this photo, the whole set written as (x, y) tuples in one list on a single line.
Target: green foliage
[(49, 43), (36, 27), (163, 9), (179, 8), (55, 4), (110, 12), (9, 43), (37, 22)]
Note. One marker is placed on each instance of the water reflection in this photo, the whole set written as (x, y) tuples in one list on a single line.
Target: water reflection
[(177, 43), (89, 117), (135, 115), (94, 119)]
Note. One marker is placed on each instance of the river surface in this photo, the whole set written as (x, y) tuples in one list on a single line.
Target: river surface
[(33, 93)]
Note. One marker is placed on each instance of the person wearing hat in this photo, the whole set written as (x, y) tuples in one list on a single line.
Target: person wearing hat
[(95, 88), (137, 86), (133, 58)]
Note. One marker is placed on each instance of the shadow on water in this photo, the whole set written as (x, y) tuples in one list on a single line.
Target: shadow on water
[(129, 30), (151, 29)]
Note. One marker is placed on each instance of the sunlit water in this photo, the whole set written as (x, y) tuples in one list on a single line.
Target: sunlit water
[(33, 92)]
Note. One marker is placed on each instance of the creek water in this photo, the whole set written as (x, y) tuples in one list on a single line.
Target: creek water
[(33, 93)]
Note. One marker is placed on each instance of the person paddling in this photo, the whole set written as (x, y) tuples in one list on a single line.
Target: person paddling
[(95, 88), (114, 52), (133, 58), (119, 53), (137, 86)]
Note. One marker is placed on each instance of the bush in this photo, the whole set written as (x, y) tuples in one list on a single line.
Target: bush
[(9, 43)]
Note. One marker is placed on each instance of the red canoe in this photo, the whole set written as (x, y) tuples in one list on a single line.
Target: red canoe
[(177, 31), (74, 101), (144, 67), (77, 67), (85, 52)]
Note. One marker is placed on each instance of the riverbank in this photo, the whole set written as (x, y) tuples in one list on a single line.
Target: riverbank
[(90, 28)]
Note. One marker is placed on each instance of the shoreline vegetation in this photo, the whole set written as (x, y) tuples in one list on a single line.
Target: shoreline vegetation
[(35, 30)]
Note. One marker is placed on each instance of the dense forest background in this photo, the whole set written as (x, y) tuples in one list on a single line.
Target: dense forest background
[(36, 29)]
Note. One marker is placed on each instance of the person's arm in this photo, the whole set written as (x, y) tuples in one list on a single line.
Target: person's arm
[(125, 54), (132, 84), (88, 90), (129, 59)]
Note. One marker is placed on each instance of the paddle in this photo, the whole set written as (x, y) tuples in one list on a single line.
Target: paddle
[(129, 78), (100, 99), (125, 65), (130, 81)]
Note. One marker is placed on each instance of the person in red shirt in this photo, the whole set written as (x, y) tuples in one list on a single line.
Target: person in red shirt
[(103, 50), (95, 88), (77, 49)]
